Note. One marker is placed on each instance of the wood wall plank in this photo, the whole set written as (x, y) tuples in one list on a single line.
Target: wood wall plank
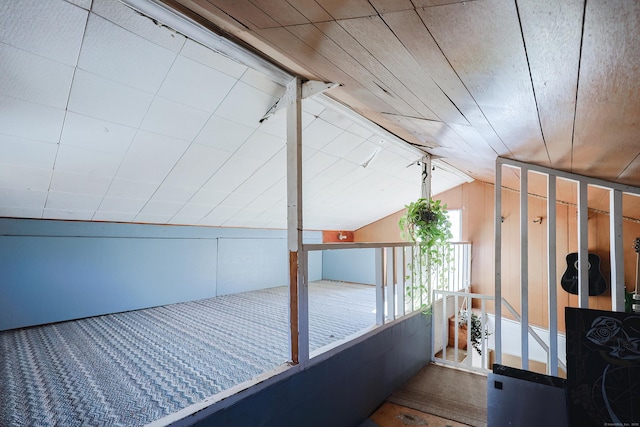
[(415, 37), (246, 13), (392, 85), (552, 31), (281, 11), (498, 79), (384, 6), (311, 10), (608, 94), (375, 36), (351, 72), (341, 9)]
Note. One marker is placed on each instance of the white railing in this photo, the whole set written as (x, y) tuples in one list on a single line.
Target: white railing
[(458, 309)]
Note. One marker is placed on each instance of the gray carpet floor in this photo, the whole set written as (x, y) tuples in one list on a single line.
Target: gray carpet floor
[(129, 369)]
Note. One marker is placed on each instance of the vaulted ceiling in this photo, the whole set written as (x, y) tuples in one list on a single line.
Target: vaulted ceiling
[(555, 83), (110, 115), (107, 115)]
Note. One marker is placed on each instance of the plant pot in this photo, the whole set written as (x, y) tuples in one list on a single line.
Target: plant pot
[(462, 335)]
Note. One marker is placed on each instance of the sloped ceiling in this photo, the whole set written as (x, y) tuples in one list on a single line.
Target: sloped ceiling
[(554, 83), (106, 116)]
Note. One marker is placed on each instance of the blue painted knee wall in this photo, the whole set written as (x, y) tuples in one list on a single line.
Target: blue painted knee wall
[(52, 271), (340, 391)]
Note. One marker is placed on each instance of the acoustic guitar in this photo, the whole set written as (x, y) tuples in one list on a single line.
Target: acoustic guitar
[(597, 282)]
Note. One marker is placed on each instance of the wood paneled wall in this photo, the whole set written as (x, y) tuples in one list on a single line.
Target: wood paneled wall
[(476, 200)]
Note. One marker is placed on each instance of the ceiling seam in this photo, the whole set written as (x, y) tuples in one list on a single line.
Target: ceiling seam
[(575, 107), (66, 110), (533, 88)]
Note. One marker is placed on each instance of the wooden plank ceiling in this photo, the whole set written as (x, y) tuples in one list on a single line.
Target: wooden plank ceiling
[(549, 82)]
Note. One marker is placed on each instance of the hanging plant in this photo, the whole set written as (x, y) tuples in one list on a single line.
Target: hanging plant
[(426, 223)]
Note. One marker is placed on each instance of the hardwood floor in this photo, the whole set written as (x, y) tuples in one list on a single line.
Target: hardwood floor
[(392, 415)]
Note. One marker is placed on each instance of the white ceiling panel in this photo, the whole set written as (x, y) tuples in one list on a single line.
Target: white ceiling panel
[(128, 189), (261, 82), (95, 134), (83, 161), (208, 197), (142, 64), (115, 204), (343, 144), (85, 4), (173, 119), (120, 14), (172, 193), (35, 26), (194, 210), (223, 134), (158, 207), (152, 219), (72, 202), (197, 85), (217, 61), (34, 78), (79, 183), (236, 107), (319, 133), (114, 216), (316, 164), (151, 157), (20, 212), (197, 165), (97, 97), (261, 146), (22, 198), (67, 214), (18, 151), (24, 178), (29, 120), (232, 174)]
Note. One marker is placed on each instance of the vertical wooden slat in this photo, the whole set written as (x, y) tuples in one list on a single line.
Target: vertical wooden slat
[(583, 246), (483, 313), (498, 259), (379, 286), (617, 258), (524, 266), (551, 276), (391, 311), (445, 327), (400, 280), (298, 310)]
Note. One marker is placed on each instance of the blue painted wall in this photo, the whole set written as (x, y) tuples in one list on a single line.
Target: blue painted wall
[(340, 391), (60, 270), (349, 265)]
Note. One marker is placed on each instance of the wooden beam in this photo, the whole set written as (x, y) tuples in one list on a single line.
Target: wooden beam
[(524, 266), (498, 259), (299, 308), (551, 276), (617, 258), (583, 246)]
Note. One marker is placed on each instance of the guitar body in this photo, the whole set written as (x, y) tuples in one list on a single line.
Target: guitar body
[(597, 282)]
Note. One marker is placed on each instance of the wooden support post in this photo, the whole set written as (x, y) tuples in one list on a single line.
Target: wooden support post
[(379, 265), (524, 266), (498, 259), (617, 258), (583, 246), (299, 303), (551, 276)]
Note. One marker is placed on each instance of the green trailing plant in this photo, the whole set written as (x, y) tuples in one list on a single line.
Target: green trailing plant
[(426, 223), (476, 329)]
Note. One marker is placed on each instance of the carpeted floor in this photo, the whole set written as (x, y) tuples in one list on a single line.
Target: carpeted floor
[(131, 368), (448, 393)]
